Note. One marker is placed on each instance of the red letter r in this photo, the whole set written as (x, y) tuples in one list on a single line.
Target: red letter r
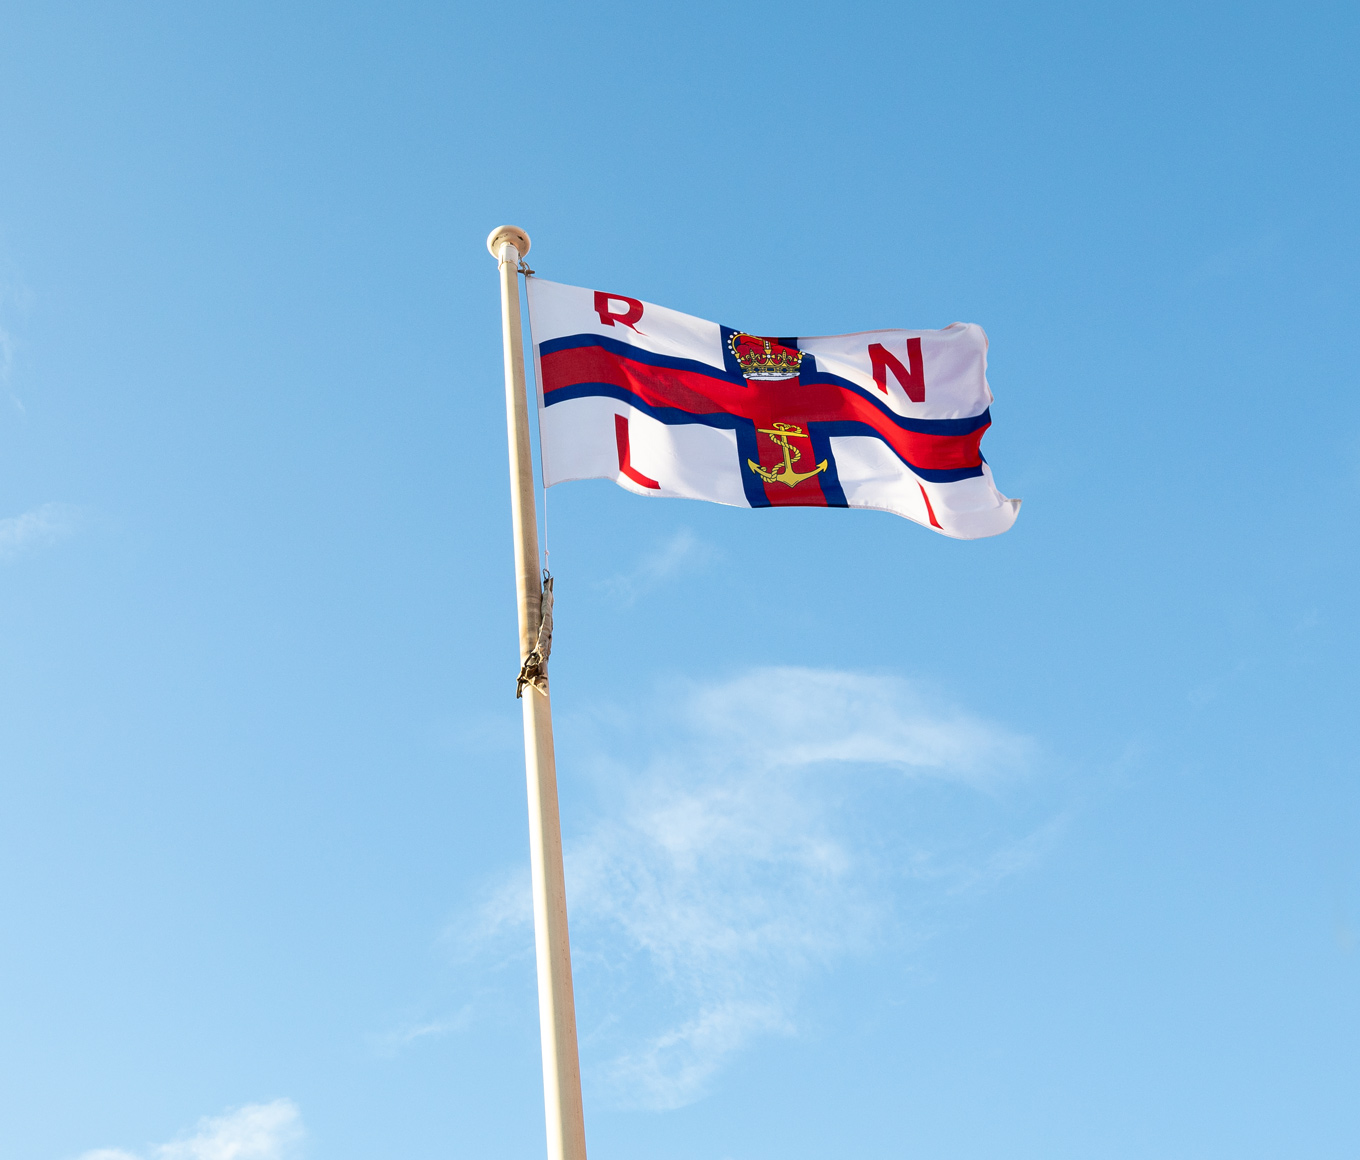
[(627, 318)]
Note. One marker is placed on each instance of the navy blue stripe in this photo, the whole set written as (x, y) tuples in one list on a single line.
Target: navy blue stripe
[(729, 356), (929, 474), (829, 479), (747, 448), (808, 374), (646, 357), (820, 433), (966, 426), (723, 419), (943, 475), (745, 429)]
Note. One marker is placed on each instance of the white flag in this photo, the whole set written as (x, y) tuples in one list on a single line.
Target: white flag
[(666, 404)]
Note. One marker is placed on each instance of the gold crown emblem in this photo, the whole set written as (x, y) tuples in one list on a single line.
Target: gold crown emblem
[(765, 358)]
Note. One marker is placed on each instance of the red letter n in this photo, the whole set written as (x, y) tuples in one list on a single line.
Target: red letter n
[(626, 318), (913, 381)]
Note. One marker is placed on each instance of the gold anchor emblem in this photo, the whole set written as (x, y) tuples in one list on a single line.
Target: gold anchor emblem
[(781, 433)]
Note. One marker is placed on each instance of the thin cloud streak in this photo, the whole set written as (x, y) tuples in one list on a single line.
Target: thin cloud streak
[(269, 1131), (682, 552), (40, 528), (1238, 261), (799, 717), (394, 1041), (753, 843)]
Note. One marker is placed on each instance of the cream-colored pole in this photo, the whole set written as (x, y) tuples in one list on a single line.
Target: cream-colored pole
[(556, 1006)]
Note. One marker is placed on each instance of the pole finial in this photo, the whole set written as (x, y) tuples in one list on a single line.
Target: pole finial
[(512, 234)]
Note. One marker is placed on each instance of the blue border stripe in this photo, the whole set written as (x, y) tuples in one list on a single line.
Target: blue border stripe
[(965, 426), (722, 419), (809, 374), (745, 429), (646, 357), (729, 358), (929, 474), (820, 433), (747, 448), (829, 479)]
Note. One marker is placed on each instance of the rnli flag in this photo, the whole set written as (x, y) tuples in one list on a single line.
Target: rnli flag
[(666, 404)]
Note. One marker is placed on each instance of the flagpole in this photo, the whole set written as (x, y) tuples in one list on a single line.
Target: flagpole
[(556, 1006)]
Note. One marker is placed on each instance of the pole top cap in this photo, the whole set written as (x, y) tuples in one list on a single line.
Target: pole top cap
[(512, 234)]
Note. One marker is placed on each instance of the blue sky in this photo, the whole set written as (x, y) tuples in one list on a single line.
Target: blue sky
[(878, 844)]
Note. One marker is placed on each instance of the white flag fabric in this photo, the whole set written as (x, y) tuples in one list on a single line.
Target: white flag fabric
[(666, 404)]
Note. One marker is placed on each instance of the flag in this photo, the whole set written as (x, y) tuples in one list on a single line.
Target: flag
[(666, 404)]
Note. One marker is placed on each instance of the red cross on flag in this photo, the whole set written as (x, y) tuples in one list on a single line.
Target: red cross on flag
[(666, 404)]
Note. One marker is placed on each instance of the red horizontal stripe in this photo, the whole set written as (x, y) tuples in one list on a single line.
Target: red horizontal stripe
[(786, 400)]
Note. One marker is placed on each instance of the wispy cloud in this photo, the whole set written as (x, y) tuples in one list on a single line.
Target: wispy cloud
[(1236, 261), (755, 837), (40, 528), (269, 1131), (793, 717), (409, 1032), (682, 552)]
